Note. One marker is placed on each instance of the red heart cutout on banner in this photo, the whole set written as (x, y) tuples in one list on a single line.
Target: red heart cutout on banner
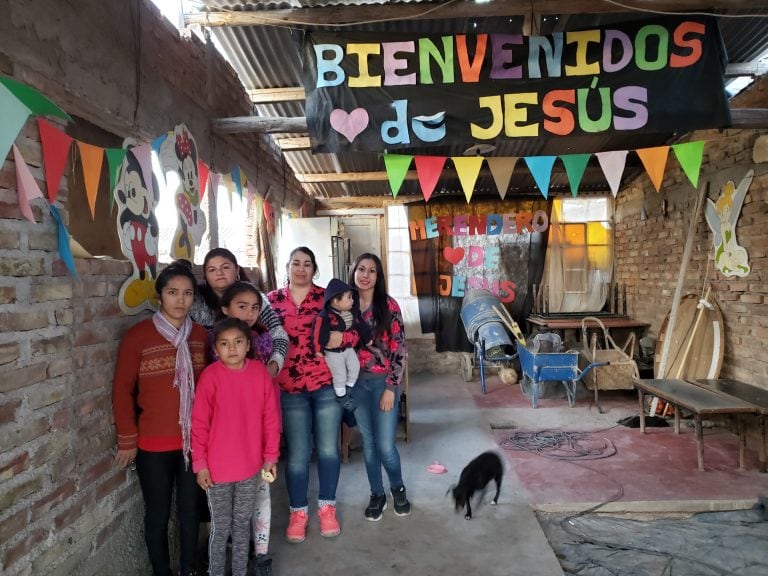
[(349, 125), (453, 255)]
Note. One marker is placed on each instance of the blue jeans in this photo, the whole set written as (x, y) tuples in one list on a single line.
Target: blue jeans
[(306, 415), (378, 430)]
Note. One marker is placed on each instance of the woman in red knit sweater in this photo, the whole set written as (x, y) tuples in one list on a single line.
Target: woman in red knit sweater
[(158, 363)]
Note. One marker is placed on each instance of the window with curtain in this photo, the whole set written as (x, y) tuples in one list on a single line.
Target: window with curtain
[(579, 262)]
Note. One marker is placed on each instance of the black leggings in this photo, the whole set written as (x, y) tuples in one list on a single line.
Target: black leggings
[(158, 472)]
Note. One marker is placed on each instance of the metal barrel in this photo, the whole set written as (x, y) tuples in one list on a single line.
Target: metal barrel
[(483, 324)]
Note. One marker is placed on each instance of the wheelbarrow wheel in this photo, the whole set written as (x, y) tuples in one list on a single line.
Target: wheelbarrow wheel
[(466, 367)]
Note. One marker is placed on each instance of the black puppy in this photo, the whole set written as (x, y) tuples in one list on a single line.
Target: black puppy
[(475, 477)]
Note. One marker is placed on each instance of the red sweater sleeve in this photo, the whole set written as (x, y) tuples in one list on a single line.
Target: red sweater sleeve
[(124, 386)]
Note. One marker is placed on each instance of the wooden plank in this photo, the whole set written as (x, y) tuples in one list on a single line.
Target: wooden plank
[(298, 143), (271, 95), (681, 279), (259, 124), (735, 389), (341, 15), (694, 398)]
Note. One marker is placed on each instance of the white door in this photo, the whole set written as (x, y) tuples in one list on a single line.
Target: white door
[(315, 234), (364, 235)]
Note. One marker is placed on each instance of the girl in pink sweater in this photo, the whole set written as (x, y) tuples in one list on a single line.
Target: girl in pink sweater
[(235, 437)]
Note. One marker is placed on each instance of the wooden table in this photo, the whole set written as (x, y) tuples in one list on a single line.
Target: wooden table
[(698, 400), (758, 397), (562, 323)]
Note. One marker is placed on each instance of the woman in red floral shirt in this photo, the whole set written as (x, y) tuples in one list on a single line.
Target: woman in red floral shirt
[(377, 391), (308, 401)]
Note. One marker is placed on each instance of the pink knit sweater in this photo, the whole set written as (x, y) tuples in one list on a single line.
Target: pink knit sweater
[(235, 423)]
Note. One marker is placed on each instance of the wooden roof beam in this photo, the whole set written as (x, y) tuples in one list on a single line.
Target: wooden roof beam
[(740, 117), (343, 14)]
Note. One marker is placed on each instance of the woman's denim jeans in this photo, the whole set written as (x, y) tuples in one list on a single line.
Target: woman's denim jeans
[(378, 430), (306, 415)]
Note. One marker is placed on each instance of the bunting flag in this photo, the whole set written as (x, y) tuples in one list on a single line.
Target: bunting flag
[(541, 169), (655, 162), (613, 163), (468, 168), (575, 165), (115, 157), (689, 155), (157, 143), (38, 104), (55, 150), (397, 169), (428, 169), (143, 155), (203, 171), (501, 170), (237, 180), (91, 158), (15, 114), (26, 185), (267, 209), (64, 251)]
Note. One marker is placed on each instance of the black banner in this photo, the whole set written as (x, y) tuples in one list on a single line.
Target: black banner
[(373, 91)]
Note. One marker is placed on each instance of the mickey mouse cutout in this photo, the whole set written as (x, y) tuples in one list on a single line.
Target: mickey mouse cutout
[(730, 258), (178, 154), (138, 231)]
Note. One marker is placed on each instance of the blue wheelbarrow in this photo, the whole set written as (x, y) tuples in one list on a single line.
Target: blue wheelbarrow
[(537, 367)]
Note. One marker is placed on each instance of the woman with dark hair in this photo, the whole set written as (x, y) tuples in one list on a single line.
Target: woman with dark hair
[(221, 270), (157, 366), (377, 391), (311, 414)]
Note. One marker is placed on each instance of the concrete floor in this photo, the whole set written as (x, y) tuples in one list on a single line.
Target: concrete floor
[(451, 421), (445, 425)]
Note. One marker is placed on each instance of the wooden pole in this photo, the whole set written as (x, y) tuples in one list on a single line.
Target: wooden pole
[(699, 315), (681, 280)]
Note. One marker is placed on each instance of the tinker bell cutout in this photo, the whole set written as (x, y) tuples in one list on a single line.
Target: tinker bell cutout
[(730, 258)]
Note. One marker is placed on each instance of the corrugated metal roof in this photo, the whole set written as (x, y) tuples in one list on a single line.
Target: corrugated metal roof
[(268, 57)]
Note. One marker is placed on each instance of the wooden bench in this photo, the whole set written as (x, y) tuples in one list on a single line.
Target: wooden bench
[(699, 400), (749, 393)]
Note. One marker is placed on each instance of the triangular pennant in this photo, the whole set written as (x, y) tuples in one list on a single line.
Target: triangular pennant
[(203, 171), (64, 250), (613, 163), (428, 169), (158, 142), (655, 162), (689, 155), (38, 104), (143, 155), (14, 114), (267, 207), (249, 195), (541, 170), (55, 150), (468, 167), (26, 185), (575, 164), (237, 180), (397, 168), (501, 170), (115, 157), (91, 158)]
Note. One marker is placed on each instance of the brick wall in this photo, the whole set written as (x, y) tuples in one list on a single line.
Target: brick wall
[(649, 252), (64, 508)]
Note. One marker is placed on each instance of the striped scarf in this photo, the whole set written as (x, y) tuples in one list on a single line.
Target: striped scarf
[(184, 376)]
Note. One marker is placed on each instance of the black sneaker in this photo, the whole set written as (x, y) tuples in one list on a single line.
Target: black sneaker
[(400, 501), (262, 565), (376, 507)]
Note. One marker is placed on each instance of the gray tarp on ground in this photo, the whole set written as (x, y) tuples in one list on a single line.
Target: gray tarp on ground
[(706, 544)]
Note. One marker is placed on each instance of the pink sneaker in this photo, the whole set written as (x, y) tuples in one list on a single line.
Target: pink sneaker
[(297, 527), (329, 526)]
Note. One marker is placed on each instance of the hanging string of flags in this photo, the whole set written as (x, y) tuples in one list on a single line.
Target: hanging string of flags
[(18, 102), (654, 160)]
